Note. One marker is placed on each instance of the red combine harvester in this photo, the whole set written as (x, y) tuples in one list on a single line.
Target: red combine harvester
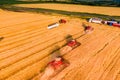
[(62, 21), (70, 46), (88, 29), (57, 63), (73, 44), (54, 67)]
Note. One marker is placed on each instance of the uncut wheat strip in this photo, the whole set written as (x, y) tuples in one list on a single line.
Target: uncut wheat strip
[(34, 25), (75, 57), (43, 24), (8, 29), (23, 23), (41, 53), (26, 34), (96, 63), (21, 20), (10, 16), (6, 12), (2, 62), (14, 17)]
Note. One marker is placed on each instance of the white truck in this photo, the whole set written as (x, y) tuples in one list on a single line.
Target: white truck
[(95, 20), (53, 25)]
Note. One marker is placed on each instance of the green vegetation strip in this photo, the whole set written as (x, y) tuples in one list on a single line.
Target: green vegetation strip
[(82, 15), (91, 3)]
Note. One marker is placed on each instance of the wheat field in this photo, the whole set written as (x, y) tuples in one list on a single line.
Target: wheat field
[(27, 45), (113, 11)]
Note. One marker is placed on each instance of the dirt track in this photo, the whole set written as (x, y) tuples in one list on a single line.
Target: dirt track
[(113, 11), (27, 44)]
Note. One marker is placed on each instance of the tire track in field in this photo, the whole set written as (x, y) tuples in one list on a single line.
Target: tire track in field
[(98, 60), (114, 70), (90, 67), (19, 21), (113, 63)]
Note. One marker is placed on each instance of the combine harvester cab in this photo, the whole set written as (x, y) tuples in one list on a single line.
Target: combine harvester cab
[(73, 44), (88, 29), (53, 25), (62, 21)]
